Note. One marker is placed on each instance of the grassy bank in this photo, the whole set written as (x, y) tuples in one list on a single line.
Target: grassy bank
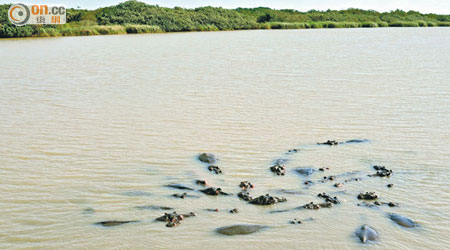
[(137, 17)]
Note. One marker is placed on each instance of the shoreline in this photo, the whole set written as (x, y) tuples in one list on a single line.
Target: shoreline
[(102, 30)]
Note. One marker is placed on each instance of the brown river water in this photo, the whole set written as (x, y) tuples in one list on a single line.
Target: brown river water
[(91, 127)]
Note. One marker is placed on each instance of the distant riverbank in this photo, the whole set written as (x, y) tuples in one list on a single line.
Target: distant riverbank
[(133, 17)]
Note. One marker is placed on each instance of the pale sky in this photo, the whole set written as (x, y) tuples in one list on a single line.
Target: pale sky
[(424, 6)]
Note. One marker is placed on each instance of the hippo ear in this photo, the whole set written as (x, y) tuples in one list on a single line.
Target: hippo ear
[(364, 239)]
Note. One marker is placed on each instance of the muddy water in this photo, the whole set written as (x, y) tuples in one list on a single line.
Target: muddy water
[(92, 127)]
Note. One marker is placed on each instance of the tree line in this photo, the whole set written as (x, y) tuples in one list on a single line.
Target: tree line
[(138, 17)]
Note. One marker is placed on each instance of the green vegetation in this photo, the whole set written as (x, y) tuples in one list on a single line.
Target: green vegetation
[(137, 17)]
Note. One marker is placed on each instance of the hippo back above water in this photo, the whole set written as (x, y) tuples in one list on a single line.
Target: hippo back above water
[(366, 233), (402, 220), (239, 229), (207, 158)]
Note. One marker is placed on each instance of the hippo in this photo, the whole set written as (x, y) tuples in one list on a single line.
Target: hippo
[(305, 171), (153, 207), (323, 169), (328, 178), (184, 195), (267, 200), (215, 169), (113, 223), (244, 196), (88, 210), (179, 186), (207, 158), (234, 211), (315, 206), (244, 185), (174, 219), (382, 171), (367, 196), (402, 221), (378, 203), (292, 151), (213, 191), (328, 198), (298, 221), (366, 233), (357, 141), (353, 179), (328, 142), (288, 191), (338, 184), (201, 182), (136, 193), (390, 185), (242, 229), (278, 169)]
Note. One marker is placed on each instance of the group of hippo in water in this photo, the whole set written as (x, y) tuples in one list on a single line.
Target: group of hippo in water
[(365, 232)]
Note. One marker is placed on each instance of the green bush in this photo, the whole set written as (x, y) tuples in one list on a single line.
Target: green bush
[(8, 30), (289, 26), (404, 24), (316, 25), (137, 29), (444, 24), (422, 23), (369, 25), (382, 24)]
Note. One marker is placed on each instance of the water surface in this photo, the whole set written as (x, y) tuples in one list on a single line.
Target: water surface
[(103, 123)]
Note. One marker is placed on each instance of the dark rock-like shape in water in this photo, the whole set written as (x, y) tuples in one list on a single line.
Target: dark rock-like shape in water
[(213, 191), (239, 229), (215, 169), (278, 169), (179, 186), (366, 233), (402, 220), (267, 200), (174, 219), (368, 196), (207, 158), (305, 171), (113, 223), (328, 142)]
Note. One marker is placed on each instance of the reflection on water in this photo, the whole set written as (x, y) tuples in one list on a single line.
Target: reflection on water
[(93, 128)]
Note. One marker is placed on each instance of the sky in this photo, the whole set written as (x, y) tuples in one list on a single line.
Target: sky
[(424, 6)]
